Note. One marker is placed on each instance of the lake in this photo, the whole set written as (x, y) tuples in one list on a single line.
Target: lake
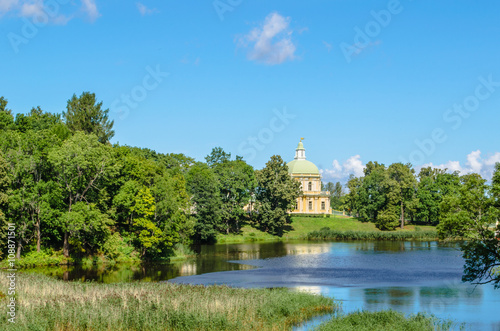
[(409, 276)]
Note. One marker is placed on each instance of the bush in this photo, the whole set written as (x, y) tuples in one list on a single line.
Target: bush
[(183, 251), (118, 249), (44, 257)]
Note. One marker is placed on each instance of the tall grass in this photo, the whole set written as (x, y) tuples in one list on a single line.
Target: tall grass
[(329, 234), (385, 320), (48, 304)]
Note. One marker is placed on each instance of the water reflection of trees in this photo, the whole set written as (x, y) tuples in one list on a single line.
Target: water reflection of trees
[(393, 246), (211, 259), (140, 272), (428, 298), (389, 297), (253, 251)]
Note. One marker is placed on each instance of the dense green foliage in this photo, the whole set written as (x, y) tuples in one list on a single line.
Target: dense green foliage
[(392, 196), (47, 304), (385, 320), (71, 194), (276, 194)]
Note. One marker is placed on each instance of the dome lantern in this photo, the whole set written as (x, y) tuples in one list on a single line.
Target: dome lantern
[(300, 165)]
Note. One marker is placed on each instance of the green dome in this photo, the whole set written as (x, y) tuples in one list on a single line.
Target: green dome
[(302, 167)]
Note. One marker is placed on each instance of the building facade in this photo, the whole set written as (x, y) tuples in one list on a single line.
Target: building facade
[(312, 200)]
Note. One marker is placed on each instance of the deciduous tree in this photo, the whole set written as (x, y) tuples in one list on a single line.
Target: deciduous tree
[(276, 194)]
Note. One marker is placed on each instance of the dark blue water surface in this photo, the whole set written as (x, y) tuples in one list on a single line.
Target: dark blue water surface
[(409, 277)]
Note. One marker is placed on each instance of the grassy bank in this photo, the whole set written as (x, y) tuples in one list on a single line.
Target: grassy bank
[(44, 303), (385, 320), (301, 227), (329, 234)]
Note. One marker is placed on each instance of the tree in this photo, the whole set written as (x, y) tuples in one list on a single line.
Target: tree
[(6, 118), (403, 178), (32, 193), (236, 185), (433, 186), (36, 120), (352, 201), (81, 166), (472, 214), (373, 190), (172, 206), (85, 114), (217, 156), (204, 188), (336, 194), (149, 236), (466, 210), (4, 198), (87, 226), (276, 194)]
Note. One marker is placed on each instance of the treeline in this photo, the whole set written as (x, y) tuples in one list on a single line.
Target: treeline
[(68, 190), (391, 196)]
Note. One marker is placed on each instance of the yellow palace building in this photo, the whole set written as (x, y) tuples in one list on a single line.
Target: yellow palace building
[(312, 200)]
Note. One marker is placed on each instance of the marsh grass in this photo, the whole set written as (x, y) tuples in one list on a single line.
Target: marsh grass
[(48, 304), (385, 320), (330, 234)]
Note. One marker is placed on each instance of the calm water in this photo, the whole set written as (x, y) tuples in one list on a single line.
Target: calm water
[(406, 276)]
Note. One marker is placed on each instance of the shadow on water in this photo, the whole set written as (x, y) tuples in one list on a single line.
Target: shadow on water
[(211, 258)]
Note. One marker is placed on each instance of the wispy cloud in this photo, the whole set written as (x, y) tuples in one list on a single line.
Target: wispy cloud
[(145, 10), (33, 8), (46, 11), (271, 43), (90, 8)]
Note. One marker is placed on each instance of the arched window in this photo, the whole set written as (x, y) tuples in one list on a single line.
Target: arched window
[(310, 186), (322, 205), (310, 205)]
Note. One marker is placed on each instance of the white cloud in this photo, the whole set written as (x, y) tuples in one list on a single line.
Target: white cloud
[(475, 164), (145, 10), (38, 10), (271, 43), (90, 8), (338, 172), (32, 9), (485, 166)]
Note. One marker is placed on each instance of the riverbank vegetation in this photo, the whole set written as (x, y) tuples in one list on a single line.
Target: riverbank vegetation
[(385, 320), (44, 303), (329, 234)]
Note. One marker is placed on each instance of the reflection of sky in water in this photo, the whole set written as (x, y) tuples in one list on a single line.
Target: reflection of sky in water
[(406, 276)]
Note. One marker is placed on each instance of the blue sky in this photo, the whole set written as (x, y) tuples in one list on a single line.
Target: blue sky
[(388, 81)]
